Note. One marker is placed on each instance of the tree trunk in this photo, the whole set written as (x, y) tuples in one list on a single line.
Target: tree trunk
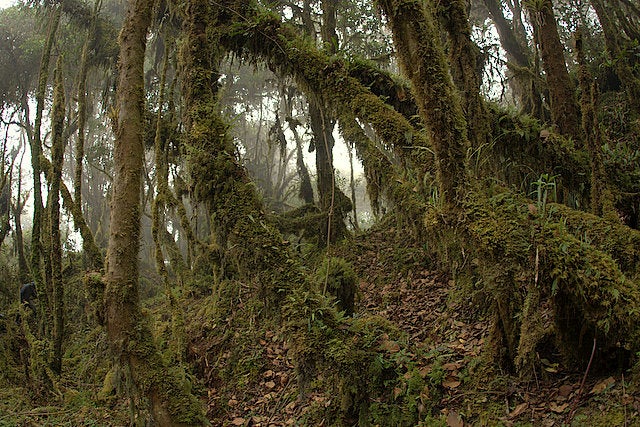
[(36, 149), (520, 62), (57, 159), (23, 266), (564, 109), (624, 70), (422, 59), (130, 338), (466, 69), (601, 200)]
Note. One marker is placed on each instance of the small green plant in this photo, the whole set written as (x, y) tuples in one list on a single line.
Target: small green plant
[(544, 190)]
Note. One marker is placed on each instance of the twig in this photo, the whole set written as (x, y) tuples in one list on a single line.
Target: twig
[(279, 403), (577, 397), (624, 406)]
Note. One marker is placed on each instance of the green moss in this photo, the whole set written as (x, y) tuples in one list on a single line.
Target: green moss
[(336, 276), (545, 285)]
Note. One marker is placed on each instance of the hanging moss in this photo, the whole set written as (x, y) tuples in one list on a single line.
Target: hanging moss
[(263, 36)]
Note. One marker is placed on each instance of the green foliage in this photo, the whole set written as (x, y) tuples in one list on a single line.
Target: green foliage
[(336, 276), (532, 267)]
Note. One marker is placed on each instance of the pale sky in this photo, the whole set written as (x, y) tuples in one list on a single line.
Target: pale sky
[(6, 3)]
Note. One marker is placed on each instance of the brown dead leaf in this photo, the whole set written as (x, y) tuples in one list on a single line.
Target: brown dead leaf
[(602, 385), (270, 384), (558, 409), (451, 383), (454, 420), (424, 371), (397, 391), (390, 346), (267, 374), (451, 366), (518, 410), (565, 390), (238, 421)]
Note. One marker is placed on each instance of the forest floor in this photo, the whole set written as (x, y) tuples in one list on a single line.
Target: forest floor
[(395, 284), (446, 329)]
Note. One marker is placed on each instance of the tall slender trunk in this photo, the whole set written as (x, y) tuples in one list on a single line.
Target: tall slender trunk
[(23, 266), (130, 338), (352, 186), (36, 150), (600, 197), (57, 159)]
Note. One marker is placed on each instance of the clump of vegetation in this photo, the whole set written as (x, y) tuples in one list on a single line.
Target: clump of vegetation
[(336, 276), (546, 281)]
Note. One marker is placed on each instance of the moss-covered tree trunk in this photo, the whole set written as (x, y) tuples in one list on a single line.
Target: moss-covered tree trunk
[(600, 197), (93, 257), (466, 69), (524, 83), (616, 43), (17, 208), (422, 59), (57, 158), (129, 337), (322, 124), (36, 150), (564, 109)]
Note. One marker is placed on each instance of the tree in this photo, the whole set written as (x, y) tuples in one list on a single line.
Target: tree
[(564, 109), (131, 341)]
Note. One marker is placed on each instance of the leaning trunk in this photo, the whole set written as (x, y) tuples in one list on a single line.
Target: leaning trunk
[(564, 109)]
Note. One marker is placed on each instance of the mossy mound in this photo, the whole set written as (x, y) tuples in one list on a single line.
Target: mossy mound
[(547, 283), (336, 276)]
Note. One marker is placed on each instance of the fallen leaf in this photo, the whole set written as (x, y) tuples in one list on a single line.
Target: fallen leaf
[(397, 391), (450, 366), (518, 410), (565, 390), (238, 421), (451, 383), (268, 374), (602, 385), (270, 384), (558, 409), (454, 420), (390, 346)]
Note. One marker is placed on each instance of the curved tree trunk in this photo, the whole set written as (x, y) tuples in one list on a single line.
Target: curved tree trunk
[(130, 339), (422, 59)]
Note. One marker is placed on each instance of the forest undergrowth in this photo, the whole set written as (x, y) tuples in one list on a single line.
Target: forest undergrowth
[(241, 366)]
